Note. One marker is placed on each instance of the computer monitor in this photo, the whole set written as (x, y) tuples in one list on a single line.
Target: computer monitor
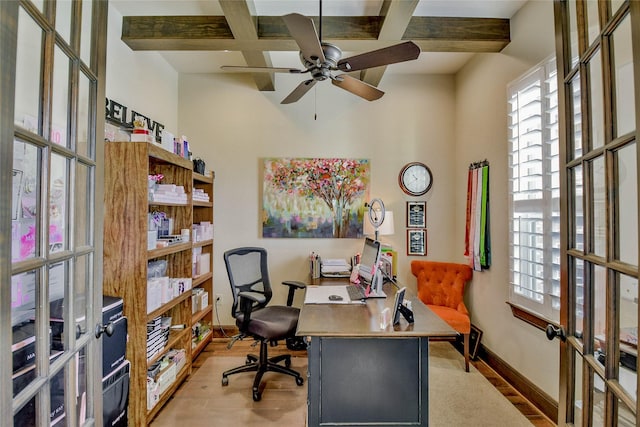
[(369, 260)]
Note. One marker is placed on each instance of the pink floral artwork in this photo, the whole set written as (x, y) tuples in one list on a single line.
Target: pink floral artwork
[(314, 197)]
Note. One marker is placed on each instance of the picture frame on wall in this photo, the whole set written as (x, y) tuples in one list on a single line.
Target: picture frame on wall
[(416, 242), (417, 214)]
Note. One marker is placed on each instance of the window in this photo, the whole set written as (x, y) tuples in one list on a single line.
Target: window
[(534, 191)]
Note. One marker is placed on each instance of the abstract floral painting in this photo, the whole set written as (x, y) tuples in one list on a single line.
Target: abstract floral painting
[(305, 197)]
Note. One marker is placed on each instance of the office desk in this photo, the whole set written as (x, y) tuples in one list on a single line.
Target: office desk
[(361, 375)]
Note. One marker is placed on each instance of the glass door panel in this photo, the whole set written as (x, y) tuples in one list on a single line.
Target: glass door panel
[(54, 288), (628, 321), (579, 401), (615, 5), (599, 301), (592, 20), (24, 347), (625, 415), (28, 71), (83, 214), (597, 412), (626, 212), (58, 277), (57, 393), (600, 307), (60, 99), (81, 286), (58, 211), (85, 32), (81, 392), (577, 233), (83, 123), (573, 33), (576, 105), (598, 207), (596, 100), (578, 317), (64, 9), (25, 202), (623, 74)]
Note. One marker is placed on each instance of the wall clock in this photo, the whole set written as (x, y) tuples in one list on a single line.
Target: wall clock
[(415, 179)]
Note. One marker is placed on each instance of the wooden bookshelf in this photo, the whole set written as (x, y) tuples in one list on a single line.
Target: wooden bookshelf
[(203, 211), (126, 257)]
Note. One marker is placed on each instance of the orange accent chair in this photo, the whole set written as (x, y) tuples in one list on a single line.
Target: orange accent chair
[(441, 287)]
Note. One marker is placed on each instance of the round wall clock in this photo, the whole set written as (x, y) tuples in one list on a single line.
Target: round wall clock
[(415, 179)]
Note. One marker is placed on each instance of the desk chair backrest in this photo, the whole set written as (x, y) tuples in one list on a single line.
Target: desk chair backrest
[(247, 271)]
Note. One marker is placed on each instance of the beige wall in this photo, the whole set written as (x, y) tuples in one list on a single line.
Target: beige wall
[(445, 121), (234, 126), (142, 81), (481, 132)]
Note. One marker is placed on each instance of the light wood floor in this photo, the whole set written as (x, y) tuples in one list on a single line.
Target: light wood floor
[(218, 348)]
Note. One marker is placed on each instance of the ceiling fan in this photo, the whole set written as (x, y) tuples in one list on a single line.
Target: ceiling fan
[(320, 59)]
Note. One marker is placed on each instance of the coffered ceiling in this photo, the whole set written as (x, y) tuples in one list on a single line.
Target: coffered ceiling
[(200, 36)]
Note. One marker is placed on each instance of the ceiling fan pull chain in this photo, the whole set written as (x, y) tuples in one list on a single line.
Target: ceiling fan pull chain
[(320, 24)]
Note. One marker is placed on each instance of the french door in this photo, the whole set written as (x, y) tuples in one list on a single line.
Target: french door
[(598, 58), (51, 131)]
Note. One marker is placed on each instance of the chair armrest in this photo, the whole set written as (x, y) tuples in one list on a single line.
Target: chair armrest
[(293, 286), (253, 296)]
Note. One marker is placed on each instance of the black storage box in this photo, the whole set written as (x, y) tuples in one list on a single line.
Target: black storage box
[(27, 415), (24, 345), (112, 309), (114, 347), (115, 391)]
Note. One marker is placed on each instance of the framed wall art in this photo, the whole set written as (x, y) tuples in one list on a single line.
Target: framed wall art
[(416, 214), (314, 197), (416, 241)]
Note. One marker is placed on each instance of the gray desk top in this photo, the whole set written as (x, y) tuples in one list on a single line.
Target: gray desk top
[(362, 320)]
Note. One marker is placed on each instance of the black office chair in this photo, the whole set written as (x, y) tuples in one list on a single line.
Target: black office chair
[(251, 289)]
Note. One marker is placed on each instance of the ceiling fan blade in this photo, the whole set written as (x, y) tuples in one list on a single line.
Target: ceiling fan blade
[(357, 87), (299, 91), (242, 69), (388, 55), (303, 30)]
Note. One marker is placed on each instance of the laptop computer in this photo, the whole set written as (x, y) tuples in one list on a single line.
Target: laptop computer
[(369, 276)]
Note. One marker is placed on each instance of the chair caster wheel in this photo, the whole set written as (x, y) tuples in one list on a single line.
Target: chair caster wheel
[(248, 361), (225, 381), (257, 396), (299, 380)]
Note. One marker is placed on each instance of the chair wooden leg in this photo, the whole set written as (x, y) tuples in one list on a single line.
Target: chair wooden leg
[(466, 351)]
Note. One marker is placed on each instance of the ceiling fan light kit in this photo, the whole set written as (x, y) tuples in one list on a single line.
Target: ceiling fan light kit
[(320, 59)]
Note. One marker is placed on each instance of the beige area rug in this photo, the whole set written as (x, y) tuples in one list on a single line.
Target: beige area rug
[(456, 398)]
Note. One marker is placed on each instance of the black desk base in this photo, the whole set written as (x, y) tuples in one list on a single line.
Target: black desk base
[(368, 381)]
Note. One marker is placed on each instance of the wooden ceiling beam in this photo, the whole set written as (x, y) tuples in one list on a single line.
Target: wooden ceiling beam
[(397, 15), (242, 24), (351, 34)]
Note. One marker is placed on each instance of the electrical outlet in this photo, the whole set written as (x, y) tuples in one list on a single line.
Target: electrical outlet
[(219, 298)]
